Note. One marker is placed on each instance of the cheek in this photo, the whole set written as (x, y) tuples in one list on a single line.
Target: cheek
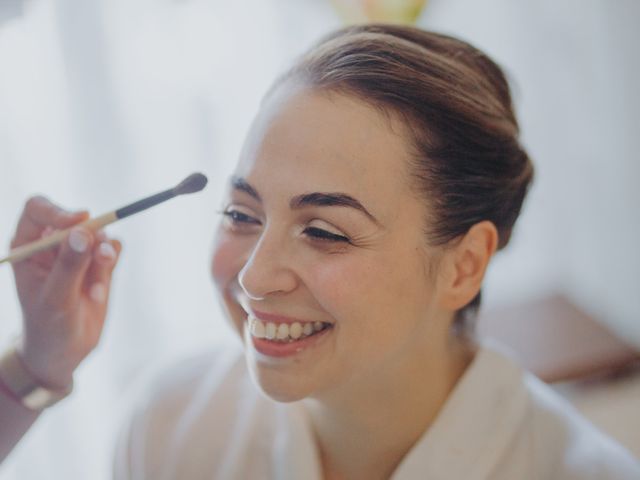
[(347, 286), (228, 256), (371, 290), (227, 259)]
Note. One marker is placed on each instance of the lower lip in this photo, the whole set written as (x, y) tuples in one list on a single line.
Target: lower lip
[(280, 349)]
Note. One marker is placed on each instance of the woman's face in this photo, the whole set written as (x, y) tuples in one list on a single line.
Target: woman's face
[(322, 230)]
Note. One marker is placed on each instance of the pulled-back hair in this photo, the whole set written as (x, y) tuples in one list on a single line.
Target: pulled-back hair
[(468, 163)]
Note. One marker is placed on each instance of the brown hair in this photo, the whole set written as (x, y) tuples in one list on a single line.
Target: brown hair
[(455, 101)]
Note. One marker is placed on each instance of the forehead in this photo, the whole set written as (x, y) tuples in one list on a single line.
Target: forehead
[(304, 140)]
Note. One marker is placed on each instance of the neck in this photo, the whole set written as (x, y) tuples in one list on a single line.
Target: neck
[(365, 429)]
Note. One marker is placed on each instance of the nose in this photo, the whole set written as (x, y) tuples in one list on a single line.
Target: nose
[(268, 270)]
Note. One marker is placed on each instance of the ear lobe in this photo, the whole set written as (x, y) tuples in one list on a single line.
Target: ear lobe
[(467, 265)]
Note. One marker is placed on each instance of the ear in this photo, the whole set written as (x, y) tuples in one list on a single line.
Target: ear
[(465, 265)]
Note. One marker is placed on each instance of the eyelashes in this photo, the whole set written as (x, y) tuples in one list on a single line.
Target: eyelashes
[(237, 217), (321, 234), (240, 220)]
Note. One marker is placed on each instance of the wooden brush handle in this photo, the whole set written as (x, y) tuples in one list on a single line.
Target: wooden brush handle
[(25, 251)]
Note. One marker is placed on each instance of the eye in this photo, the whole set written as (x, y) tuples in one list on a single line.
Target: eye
[(324, 235), (238, 218)]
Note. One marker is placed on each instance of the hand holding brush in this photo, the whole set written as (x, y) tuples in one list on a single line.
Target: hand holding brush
[(63, 291)]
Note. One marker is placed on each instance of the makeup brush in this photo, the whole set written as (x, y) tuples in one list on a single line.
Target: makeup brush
[(193, 183)]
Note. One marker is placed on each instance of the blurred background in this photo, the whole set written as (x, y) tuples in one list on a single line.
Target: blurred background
[(105, 101)]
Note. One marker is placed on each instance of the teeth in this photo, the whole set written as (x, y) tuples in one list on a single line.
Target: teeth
[(295, 330), (283, 332), (271, 330), (258, 330)]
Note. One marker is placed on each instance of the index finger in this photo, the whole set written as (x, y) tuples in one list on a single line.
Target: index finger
[(38, 214)]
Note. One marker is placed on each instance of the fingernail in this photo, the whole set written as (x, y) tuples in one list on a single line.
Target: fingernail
[(78, 241), (98, 293), (106, 250)]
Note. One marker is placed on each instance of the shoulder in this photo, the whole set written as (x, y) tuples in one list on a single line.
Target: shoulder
[(194, 401), (175, 386)]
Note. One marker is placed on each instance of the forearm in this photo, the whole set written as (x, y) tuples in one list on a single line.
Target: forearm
[(15, 421)]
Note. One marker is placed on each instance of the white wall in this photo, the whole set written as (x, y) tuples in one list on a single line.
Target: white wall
[(575, 69)]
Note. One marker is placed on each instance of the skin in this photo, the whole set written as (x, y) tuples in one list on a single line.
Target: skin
[(389, 296), (63, 294)]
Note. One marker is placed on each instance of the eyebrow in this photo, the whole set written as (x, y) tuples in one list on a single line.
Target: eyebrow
[(239, 183), (317, 199)]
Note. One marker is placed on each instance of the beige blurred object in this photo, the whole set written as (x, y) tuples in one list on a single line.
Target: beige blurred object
[(383, 11), (556, 340), (612, 403), (586, 363)]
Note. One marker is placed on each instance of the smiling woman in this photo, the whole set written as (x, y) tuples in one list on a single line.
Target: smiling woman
[(380, 176), (378, 179)]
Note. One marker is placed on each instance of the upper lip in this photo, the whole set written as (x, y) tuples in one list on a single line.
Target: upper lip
[(276, 318)]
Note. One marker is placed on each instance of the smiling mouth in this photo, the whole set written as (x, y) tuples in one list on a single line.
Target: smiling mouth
[(284, 332)]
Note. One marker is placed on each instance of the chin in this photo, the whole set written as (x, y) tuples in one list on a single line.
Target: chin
[(279, 387), (279, 380)]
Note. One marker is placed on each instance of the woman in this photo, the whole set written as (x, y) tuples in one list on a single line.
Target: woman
[(380, 176)]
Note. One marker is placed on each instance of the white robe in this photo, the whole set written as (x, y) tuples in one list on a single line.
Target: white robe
[(207, 420)]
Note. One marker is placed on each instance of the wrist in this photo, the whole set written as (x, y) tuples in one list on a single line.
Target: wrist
[(45, 369), (20, 382)]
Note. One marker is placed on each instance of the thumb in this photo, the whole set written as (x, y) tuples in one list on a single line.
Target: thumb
[(65, 281)]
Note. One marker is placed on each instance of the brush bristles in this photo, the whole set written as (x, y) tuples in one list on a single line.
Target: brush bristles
[(193, 183)]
